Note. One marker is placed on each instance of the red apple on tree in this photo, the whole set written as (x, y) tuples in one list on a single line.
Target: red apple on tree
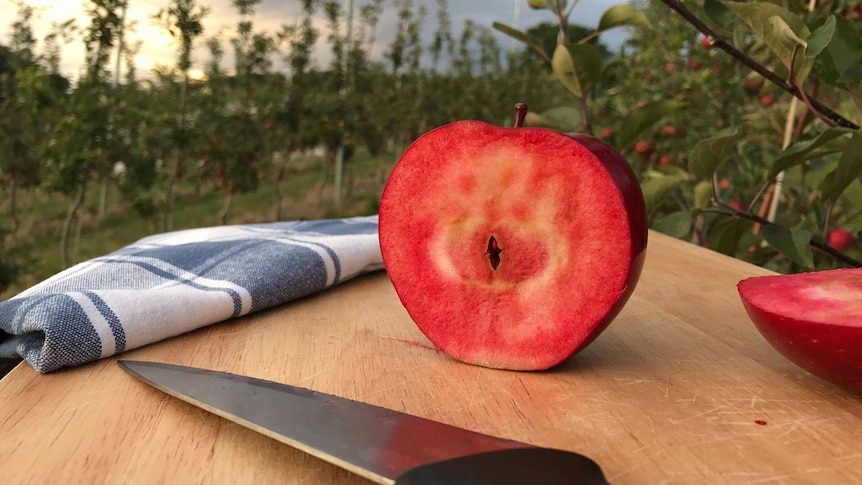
[(515, 247), (643, 148), (607, 133), (706, 42), (840, 239), (813, 319), (767, 100)]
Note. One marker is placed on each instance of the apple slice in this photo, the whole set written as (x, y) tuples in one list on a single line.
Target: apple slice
[(813, 319), (512, 248)]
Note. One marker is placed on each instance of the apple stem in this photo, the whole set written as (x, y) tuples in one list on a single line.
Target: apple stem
[(494, 253), (520, 114)]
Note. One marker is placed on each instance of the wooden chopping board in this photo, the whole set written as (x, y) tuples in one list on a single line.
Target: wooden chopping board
[(681, 388)]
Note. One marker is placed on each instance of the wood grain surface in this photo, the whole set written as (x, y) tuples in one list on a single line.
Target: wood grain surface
[(681, 388)]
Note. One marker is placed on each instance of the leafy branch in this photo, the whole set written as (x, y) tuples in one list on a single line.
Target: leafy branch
[(724, 208), (834, 119)]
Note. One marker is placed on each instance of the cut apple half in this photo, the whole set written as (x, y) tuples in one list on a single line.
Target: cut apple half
[(512, 247), (813, 319)]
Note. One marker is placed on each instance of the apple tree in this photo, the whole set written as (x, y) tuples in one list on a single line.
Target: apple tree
[(738, 116)]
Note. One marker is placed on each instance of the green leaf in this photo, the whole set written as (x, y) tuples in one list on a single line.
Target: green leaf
[(702, 195), (577, 66), (709, 153), (781, 30), (621, 16), (642, 118), (801, 151), (677, 224), (792, 243), (560, 119), (526, 39), (546, 5), (844, 52), (821, 37), (849, 168), (725, 234), (719, 13), (655, 190)]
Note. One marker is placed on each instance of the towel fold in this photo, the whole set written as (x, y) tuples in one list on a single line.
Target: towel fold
[(171, 283)]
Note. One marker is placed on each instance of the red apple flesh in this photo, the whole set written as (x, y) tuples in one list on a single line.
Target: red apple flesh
[(813, 319), (512, 248)]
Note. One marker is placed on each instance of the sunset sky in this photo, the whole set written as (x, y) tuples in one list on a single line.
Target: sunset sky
[(158, 47)]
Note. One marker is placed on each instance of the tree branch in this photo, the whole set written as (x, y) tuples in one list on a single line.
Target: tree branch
[(817, 106), (821, 246)]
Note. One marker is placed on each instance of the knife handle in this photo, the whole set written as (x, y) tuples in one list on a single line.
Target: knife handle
[(516, 467)]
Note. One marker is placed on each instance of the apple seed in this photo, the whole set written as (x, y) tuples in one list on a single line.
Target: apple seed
[(493, 252)]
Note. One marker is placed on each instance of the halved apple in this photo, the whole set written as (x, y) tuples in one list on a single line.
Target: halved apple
[(512, 247), (813, 319)]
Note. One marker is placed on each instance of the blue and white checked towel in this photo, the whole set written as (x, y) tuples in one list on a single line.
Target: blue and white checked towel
[(171, 283)]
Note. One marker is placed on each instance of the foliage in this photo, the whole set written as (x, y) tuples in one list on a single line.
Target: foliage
[(698, 100), (718, 150)]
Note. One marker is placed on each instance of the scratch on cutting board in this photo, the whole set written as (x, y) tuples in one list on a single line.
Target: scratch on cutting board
[(678, 421), (754, 399), (411, 343)]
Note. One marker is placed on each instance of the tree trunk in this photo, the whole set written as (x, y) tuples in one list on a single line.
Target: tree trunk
[(67, 224), (167, 220), (222, 216), (103, 198), (13, 205), (279, 178)]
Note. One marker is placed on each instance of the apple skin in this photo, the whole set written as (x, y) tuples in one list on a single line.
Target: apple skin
[(795, 314), (541, 319)]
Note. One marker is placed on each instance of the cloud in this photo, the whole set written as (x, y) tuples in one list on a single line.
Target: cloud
[(158, 47)]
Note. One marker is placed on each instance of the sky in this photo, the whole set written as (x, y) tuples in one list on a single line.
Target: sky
[(159, 49)]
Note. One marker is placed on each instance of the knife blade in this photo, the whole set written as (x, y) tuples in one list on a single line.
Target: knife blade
[(382, 445)]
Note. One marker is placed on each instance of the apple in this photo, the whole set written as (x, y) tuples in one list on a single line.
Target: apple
[(669, 130), (643, 147), (695, 64), (840, 239), (668, 68), (813, 319), (665, 161), (706, 42), (753, 85), (767, 100), (512, 248), (737, 205), (607, 133), (724, 184)]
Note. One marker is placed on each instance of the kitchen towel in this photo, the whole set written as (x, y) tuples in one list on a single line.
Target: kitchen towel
[(171, 283)]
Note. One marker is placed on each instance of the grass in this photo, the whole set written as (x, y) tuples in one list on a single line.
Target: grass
[(35, 247)]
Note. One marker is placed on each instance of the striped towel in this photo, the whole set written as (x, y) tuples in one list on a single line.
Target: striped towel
[(171, 283)]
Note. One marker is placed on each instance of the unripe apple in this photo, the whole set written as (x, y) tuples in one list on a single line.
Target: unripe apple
[(754, 84), (840, 239), (767, 100)]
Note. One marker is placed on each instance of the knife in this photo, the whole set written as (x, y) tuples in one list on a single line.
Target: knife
[(382, 445)]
